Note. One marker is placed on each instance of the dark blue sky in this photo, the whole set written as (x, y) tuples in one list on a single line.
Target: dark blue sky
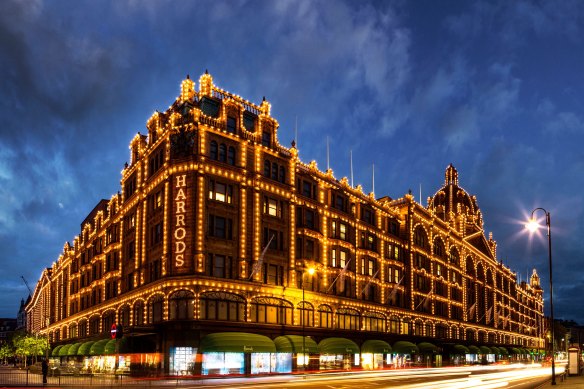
[(496, 88)]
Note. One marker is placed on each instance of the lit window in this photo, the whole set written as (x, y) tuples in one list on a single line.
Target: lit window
[(220, 192), (272, 207)]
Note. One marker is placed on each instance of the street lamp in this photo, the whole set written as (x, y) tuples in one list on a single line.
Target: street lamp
[(310, 272), (532, 225)]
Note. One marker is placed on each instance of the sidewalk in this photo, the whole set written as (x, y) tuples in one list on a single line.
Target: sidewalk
[(571, 382)]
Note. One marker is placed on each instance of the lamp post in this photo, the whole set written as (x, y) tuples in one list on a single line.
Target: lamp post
[(533, 225), (310, 272)]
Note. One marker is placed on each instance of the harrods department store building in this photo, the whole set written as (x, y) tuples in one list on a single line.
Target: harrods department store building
[(222, 239)]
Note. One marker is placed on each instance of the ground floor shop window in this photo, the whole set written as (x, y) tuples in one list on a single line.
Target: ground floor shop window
[(335, 362), (372, 361), (223, 363), (182, 360)]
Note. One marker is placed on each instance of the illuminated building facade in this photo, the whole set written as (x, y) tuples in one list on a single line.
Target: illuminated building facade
[(217, 223)]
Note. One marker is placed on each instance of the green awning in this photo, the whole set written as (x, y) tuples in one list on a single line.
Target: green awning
[(495, 350), (110, 347), (473, 349), (338, 346), (503, 350), (461, 349), (427, 348), (375, 347), (123, 346), (514, 350), (237, 342), (64, 351), (485, 350), (55, 352), (293, 344), (84, 348), (72, 351), (404, 347), (98, 348)]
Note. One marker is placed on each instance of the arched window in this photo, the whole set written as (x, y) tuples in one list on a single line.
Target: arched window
[(306, 311), (438, 248), (231, 156), (420, 238), (222, 152), (454, 258), (124, 316), (274, 171), (394, 325), (213, 150), (428, 329), (406, 327), (441, 331), (82, 329), (267, 168), (73, 330), (271, 311), (155, 309), (470, 335), (182, 305), (94, 325), (373, 321), (347, 319), (108, 319), (222, 306), (325, 316), (418, 328), (139, 313)]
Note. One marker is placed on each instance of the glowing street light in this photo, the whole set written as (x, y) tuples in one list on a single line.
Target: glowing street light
[(533, 225), (310, 272)]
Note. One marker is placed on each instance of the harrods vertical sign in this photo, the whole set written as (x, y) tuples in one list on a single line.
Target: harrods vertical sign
[(181, 227)]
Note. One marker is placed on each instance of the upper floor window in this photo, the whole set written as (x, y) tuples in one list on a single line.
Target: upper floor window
[(220, 227), (249, 120), (210, 107), (392, 251), (306, 188), (274, 238), (368, 215), (273, 207), (393, 227), (219, 191), (156, 160), (368, 241), (306, 218), (339, 202), (266, 138), (274, 171), (231, 124), (339, 258), (368, 266), (222, 153), (420, 238), (130, 187), (340, 230)]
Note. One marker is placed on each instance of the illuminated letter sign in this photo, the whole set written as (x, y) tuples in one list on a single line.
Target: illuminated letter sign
[(180, 232)]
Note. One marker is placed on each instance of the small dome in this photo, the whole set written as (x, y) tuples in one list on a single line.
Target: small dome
[(452, 200)]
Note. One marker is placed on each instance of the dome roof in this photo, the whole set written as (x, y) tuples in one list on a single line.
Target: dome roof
[(452, 201)]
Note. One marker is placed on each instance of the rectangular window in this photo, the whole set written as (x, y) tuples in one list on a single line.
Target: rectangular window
[(339, 202), (339, 258), (307, 189), (275, 238), (273, 274), (273, 207), (266, 139), (221, 266), (220, 192), (368, 216), (231, 124), (220, 227)]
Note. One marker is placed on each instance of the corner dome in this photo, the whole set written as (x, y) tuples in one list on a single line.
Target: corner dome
[(451, 202)]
